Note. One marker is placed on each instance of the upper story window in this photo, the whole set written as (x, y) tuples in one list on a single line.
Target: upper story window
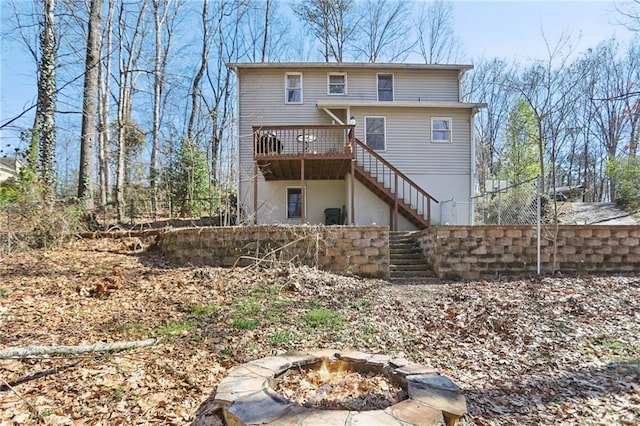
[(337, 84), (385, 87), (293, 88), (440, 129), (375, 130)]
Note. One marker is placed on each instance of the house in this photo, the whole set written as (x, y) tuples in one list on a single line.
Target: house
[(354, 143), (9, 168)]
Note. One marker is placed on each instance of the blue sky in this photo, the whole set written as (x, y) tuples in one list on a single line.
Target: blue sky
[(514, 29), (504, 29)]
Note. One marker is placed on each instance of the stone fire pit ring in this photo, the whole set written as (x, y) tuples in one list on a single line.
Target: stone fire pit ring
[(247, 397)]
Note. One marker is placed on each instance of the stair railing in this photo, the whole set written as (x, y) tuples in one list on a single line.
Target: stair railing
[(404, 189)]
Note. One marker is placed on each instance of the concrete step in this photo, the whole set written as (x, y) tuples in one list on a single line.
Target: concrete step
[(406, 258), (405, 252), (413, 274), (409, 267), (409, 262)]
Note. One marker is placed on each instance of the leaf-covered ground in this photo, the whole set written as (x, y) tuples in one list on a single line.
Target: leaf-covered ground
[(524, 351)]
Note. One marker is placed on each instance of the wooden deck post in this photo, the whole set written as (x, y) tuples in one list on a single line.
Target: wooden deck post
[(395, 204), (303, 193), (255, 193), (352, 212)]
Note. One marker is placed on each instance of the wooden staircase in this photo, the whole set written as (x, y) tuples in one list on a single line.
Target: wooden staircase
[(407, 262), (397, 190)]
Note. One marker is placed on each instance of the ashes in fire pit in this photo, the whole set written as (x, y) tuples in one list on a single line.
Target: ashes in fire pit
[(294, 389), (339, 386)]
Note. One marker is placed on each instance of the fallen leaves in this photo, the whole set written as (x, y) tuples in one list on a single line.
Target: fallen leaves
[(524, 351)]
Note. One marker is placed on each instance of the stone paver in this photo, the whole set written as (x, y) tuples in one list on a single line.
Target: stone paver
[(414, 412), (247, 397), (438, 392), (326, 418)]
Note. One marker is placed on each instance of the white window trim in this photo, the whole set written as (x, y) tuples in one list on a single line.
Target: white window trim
[(286, 88), (384, 120), (286, 202), (450, 120), (344, 74), (393, 86)]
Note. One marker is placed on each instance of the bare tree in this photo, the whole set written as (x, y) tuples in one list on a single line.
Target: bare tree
[(104, 127), (630, 14), (90, 93), (549, 87), (163, 24), (611, 80), (436, 40), (383, 32), (332, 23), (266, 37), (487, 83), (129, 49)]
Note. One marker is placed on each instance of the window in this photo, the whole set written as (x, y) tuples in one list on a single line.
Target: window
[(337, 84), (375, 133), (294, 203), (293, 85), (385, 87), (440, 129)]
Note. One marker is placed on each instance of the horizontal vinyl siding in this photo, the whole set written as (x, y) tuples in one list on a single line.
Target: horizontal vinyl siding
[(262, 95), (411, 85), (420, 86), (408, 147), (408, 140)]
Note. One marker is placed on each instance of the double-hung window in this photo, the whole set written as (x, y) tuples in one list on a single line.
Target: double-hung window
[(293, 88), (337, 84), (375, 130), (441, 129), (294, 203), (385, 87)]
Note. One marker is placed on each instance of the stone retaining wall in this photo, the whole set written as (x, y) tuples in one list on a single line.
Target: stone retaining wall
[(362, 251), (471, 252)]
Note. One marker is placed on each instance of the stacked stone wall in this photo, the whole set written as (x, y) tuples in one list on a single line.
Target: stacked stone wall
[(362, 251), (471, 252)]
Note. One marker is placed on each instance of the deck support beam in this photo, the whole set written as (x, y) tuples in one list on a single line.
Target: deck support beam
[(303, 193), (255, 193)]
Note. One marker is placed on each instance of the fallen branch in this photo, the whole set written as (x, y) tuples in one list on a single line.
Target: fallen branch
[(26, 351), (259, 260), (8, 386), (38, 375)]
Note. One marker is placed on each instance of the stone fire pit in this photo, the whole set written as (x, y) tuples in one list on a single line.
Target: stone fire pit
[(248, 397)]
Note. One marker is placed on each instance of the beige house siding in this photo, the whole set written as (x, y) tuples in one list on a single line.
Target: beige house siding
[(443, 168), (409, 138)]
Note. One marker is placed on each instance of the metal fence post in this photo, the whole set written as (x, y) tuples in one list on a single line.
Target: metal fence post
[(539, 218)]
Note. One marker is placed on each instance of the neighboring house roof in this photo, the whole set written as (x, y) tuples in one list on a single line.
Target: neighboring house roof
[(345, 65)]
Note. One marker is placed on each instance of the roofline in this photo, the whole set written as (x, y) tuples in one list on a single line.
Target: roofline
[(345, 65), (399, 104)]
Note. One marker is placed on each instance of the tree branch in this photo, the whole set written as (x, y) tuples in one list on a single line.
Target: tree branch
[(25, 351)]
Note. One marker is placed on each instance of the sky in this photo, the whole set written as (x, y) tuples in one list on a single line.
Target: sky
[(510, 30)]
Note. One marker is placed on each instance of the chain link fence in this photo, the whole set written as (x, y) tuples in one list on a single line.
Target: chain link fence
[(511, 205)]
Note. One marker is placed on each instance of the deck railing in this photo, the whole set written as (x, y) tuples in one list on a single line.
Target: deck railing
[(397, 183), (307, 141)]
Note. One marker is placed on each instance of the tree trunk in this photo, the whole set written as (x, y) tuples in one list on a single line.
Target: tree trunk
[(47, 102), (265, 38), (105, 131), (90, 93)]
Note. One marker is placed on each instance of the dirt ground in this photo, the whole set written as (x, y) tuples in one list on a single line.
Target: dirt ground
[(561, 350), (576, 213)]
